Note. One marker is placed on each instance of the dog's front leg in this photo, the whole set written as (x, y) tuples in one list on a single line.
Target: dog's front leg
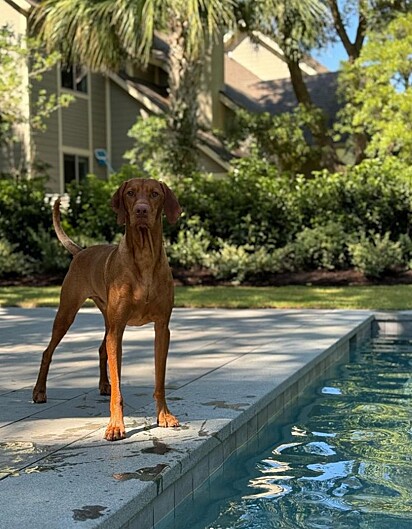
[(162, 338), (115, 429)]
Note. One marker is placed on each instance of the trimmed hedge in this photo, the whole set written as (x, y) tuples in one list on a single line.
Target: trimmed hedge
[(250, 223)]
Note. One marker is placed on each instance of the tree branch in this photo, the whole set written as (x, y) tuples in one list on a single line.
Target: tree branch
[(360, 34), (341, 30)]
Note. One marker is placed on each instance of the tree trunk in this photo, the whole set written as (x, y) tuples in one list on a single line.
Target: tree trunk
[(329, 159), (353, 50), (184, 80)]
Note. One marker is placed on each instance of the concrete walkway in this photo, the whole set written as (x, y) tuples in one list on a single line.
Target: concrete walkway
[(227, 372)]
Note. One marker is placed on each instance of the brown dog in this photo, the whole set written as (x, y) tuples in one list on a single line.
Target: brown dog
[(130, 283)]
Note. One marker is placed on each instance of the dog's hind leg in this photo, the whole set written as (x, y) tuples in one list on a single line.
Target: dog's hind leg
[(104, 384), (70, 303)]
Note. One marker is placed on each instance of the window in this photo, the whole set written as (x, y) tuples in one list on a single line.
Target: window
[(74, 78), (75, 168)]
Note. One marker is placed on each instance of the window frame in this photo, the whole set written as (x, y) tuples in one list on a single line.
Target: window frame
[(78, 156), (70, 70)]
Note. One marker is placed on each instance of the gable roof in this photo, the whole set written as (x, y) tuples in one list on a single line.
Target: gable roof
[(243, 89)]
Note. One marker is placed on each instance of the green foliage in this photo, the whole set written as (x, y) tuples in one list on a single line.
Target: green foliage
[(164, 147), (296, 26), (191, 247), (23, 204), (13, 262), (249, 206), (261, 223), (283, 139), (89, 216), (377, 89), (376, 254), (250, 224), (96, 34), (324, 246), (230, 262), (372, 196), (53, 256), (16, 87), (151, 150)]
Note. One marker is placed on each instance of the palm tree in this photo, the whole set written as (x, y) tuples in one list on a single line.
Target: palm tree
[(105, 34)]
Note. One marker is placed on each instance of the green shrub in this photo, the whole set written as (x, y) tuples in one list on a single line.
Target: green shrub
[(252, 222), (229, 262), (376, 254), (373, 196), (89, 213), (237, 263), (53, 256), (23, 204), (250, 206), (324, 246), (191, 247), (406, 246), (12, 262)]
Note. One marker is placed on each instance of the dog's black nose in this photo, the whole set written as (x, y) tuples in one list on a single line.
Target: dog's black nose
[(142, 210)]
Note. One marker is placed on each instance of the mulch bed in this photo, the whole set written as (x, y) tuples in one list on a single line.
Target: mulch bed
[(203, 277), (316, 278)]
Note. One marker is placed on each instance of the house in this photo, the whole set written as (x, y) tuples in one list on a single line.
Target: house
[(257, 78), (90, 135)]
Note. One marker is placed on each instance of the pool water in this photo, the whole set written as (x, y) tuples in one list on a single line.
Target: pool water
[(341, 459)]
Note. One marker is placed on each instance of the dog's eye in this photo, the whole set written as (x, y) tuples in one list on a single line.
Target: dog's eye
[(155, 194), (130, 193)]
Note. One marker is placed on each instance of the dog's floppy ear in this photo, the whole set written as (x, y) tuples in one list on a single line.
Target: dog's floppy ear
[(171, 206), (117, 204)]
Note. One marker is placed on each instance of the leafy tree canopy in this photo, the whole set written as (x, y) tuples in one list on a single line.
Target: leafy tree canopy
[(378, 90)]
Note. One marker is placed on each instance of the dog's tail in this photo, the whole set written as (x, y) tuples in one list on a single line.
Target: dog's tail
[(70, 245)]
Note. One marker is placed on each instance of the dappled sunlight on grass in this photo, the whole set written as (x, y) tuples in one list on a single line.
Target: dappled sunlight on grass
[(395, 297), (380, 297)]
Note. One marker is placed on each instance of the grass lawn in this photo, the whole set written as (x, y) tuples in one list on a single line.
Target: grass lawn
[(381, 297)]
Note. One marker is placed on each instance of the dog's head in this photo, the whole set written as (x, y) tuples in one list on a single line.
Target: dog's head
[(139, 202)]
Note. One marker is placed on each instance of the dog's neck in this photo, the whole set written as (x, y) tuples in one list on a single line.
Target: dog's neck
[(145, 248), (145, 244)]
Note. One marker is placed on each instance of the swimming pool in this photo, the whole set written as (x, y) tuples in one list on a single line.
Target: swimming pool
[(341, 459)]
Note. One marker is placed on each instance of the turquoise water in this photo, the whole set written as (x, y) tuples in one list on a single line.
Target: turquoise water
[(342, 460)]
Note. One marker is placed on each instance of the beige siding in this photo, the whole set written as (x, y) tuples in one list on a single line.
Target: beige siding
[(208, 165), (75, 124), (10, 15), (99, 120), (210, 108), (262, 62), (124, 113), (46, 144)]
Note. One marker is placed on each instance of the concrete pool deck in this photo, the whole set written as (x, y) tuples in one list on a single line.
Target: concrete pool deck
[(228, 372)]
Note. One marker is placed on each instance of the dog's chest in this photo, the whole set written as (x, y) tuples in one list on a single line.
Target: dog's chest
[(151, 301)]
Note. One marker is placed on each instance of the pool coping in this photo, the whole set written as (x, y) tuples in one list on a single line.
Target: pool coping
[(211, 432)]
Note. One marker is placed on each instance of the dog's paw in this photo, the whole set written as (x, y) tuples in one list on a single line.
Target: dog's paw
[(39, 397), (115, 432), (167, 420), (105, 389)]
